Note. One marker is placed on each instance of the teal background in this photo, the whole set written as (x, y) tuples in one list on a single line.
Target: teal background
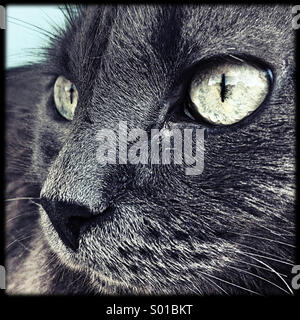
[(23, 41)]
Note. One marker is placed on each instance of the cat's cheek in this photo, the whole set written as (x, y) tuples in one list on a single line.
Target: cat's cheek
[(50, 132)]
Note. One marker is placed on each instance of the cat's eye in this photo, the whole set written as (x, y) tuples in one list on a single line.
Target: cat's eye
[(65, 97), (226, 93)]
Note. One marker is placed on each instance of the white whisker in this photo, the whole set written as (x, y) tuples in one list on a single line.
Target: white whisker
[(271, 255), (18, 240), (235, 285), (258, 267), (266, 265), (214, 284), (268, 258), (18, 216), (259, 277), (20, 198), (263, 238)]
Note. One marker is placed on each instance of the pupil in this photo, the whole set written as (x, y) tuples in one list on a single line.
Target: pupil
[(71, 93), (223, 87)]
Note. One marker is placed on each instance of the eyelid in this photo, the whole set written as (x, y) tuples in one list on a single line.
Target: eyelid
[(197, 64)]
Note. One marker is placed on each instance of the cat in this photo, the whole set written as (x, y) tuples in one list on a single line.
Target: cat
[(74, 226)]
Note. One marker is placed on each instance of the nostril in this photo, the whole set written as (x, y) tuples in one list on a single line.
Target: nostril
[(68, 219), (73, 227)]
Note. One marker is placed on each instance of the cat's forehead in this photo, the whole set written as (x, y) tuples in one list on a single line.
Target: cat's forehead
[(111, 46), (197, 29)]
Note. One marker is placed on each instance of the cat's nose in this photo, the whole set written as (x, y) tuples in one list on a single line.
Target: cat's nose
[(69, 220)]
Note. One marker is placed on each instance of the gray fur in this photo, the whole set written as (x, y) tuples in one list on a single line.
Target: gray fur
[(169, 233)]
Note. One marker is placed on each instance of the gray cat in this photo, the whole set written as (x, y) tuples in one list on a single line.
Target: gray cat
[(77, 227)]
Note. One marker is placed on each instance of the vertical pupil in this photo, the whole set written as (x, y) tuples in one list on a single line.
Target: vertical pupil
[(223, 87), (71, 93)]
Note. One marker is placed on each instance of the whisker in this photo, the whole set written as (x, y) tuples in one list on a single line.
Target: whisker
[(271, 255), (24, 26), (67, 15), (69, 12), (18, 216), (273, 232), (263, 238), (258, 267), (35, 28), (214, 284), (18, 240), (28, 28), (268, 258), (20, 198), (259, 277), (51, 22), (266, 265), (235, 285)]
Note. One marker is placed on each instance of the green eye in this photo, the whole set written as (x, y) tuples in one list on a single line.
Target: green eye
[(227, 93), (65, 97)]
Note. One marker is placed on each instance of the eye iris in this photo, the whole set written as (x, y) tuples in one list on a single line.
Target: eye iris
[(65, 97), (227, 93)]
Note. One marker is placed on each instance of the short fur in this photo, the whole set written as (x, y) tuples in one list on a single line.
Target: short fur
[(229, 230)]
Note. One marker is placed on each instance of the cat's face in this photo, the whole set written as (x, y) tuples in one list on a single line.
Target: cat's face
[(156, 229)]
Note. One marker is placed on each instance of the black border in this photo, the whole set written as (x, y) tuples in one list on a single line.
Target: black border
[(2, 134), (216, 306)]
